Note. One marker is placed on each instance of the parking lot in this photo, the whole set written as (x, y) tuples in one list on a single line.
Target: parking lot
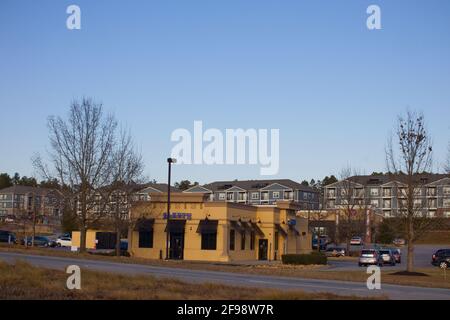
[(422, 259)]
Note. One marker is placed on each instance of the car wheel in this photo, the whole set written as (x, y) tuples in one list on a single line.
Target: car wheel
[(58, 245), (443, 265)]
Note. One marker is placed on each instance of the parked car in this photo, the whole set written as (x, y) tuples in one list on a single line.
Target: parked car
[(7, 237), (441, 258), (399, 242), (387, 256), (64, 242), (39, 241), (335, 252), (397, 255), (370, 257), (356, 241), (9, 219), (321, 241)]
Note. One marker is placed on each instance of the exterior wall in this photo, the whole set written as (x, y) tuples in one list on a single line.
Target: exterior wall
[(90, 238), (199, 208)]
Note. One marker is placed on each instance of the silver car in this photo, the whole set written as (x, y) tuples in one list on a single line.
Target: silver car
[(370, 257), (387, 256)]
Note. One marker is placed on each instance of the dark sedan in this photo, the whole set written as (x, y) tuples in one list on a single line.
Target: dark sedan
[(39, 241)]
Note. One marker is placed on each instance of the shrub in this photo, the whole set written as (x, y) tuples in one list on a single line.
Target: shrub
[(304, 259)]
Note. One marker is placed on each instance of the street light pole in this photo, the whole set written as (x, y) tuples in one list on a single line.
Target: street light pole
[(169, 162)]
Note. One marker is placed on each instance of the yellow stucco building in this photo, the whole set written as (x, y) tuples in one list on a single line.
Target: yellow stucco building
[(216, 231)]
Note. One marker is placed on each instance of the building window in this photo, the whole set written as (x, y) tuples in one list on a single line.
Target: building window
[(255, 196), (417, 203), (432, 203), (447, 214), (209, 241), (221, 196), (288, 195), (276, 241), (386, 203), (146, 239), (276, 195), (447, 191), (374, 192), (446, 203), (431, 192), (232, 239), (358, 193), (387, 192), (331, 193), (242, 196), (243, 240), (264, 196), (230, 196), (331, 204), (252, 240), (374, 203)]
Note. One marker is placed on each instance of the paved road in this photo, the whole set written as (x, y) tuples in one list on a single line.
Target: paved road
[(422, 259), (193, 276)]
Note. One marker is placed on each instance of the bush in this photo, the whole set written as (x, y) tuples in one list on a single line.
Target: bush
[(304, 259)]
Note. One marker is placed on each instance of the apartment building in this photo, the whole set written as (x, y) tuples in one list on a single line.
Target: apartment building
[(45, 203), (260, 192), (122, 198), (386, 194)]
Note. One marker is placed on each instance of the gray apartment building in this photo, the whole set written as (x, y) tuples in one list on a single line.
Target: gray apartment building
[(17, 200), (260, 192), (385, 194)]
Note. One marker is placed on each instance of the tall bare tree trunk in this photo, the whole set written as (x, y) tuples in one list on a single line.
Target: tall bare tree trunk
[(82, 238), (118, 233), (410, 238)]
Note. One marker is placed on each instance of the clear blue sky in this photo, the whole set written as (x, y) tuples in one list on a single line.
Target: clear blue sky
[(310, 68)]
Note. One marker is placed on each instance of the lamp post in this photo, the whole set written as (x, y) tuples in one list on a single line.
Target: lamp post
[(169, 162)]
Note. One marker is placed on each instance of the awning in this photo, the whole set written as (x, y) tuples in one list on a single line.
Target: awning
[(207, 226), (280, 230), (176, 226), (257, 229), (293, 228), (246, 225), (144, 225), (235, 225)]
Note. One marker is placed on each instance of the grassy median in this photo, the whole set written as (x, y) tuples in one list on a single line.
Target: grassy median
[(435, 277), (23, 281)]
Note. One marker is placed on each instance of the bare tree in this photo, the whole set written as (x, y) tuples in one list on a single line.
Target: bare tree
[(81, 152), (353, 206), (447, 165), (409, 157), (126, 171)]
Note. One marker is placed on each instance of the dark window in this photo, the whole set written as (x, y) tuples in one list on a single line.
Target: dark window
[(146, 239), (243, 240), (232, 239), (276, 240), (209, 241), (252, 240)]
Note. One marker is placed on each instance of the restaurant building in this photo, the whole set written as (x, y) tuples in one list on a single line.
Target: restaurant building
[(203, 230)]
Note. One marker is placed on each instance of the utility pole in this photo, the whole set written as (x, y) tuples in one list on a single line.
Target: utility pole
[(169, 162)]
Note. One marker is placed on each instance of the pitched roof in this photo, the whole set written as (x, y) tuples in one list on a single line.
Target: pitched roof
[(18, 189), (380, 179), (256, 185)]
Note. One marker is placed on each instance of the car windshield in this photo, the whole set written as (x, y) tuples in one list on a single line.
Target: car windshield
[(367, 253), (384, 252)]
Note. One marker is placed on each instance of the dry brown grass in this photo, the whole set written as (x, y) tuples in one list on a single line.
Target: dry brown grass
[(23, 281)]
